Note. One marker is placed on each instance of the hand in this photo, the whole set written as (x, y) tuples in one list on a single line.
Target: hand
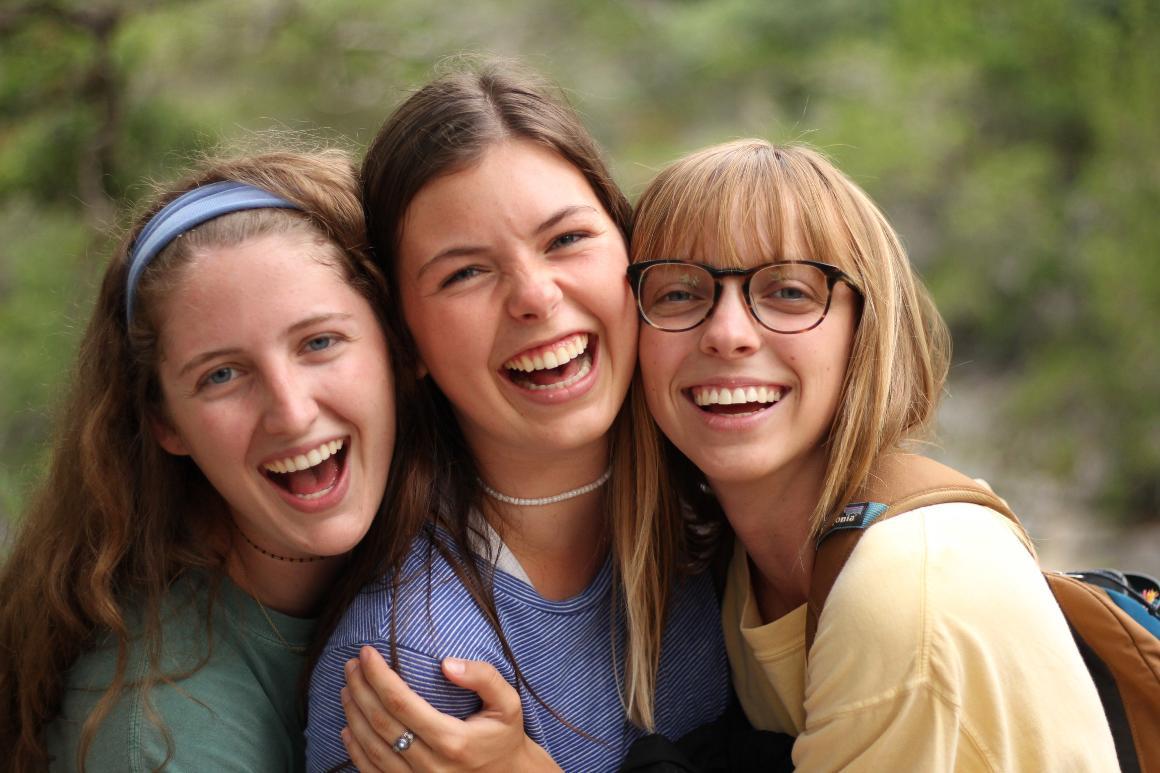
[(380, 706)]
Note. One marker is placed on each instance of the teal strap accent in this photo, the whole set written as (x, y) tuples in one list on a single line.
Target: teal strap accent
[(856, 515), (1135, 610)]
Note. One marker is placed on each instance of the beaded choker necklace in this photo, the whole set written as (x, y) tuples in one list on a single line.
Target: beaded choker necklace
[(263, 551), (550, 500)]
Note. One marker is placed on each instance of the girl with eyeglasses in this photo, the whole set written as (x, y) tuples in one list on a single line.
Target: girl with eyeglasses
[(789, 352), (224, 446), (532, 525)]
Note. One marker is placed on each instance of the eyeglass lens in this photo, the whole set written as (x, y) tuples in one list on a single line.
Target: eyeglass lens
[(785, 297)]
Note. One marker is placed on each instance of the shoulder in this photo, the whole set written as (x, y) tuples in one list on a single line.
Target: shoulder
[(208, 705), (404, 605), (926, 588), (941, 623), (946, 563), (947, 598), (959, 551)]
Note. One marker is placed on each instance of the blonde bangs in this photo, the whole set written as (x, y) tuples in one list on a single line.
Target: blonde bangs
[(726, 205), (748, 202)]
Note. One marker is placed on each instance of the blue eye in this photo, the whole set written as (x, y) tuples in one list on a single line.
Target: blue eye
[(790, 293), (320, 343), (461, 275), (567, 240), (220, 376)]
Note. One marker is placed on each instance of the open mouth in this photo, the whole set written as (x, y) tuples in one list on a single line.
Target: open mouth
[(735, 401), (311, 475), (555, 366)]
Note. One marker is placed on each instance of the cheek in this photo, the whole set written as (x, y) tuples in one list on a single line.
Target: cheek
[(446, 339), (657, 363), (624, 332)]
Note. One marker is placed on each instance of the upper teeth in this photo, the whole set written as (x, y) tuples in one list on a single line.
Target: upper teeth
[(735, 396), (552, 356), (307, 460)]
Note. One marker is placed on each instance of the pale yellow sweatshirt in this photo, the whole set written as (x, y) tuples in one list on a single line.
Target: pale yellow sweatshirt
[(940, 648)]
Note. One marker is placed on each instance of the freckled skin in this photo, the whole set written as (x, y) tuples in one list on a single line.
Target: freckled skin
[(488, 269), (277, 385), (784, 439)]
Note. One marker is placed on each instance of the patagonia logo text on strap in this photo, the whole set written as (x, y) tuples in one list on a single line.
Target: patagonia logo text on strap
[(856, 515)]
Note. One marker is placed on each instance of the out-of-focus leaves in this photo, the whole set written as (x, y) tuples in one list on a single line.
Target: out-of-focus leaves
[(1012, 144)]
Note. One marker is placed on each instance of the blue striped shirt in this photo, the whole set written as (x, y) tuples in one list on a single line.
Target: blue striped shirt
[(564, 649)]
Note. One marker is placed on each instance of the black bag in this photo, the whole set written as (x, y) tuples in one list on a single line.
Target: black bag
[(727, 744)]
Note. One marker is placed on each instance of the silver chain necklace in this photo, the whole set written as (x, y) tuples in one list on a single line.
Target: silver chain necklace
[(551, 500)]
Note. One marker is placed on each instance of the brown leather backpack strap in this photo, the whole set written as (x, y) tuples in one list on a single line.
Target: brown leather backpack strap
[(831, 556), (901, 482)]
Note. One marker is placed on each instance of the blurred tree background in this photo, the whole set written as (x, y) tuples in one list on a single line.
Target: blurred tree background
[(1013, 144)]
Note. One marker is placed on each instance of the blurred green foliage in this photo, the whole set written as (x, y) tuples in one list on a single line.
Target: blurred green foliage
[(1012, 144)]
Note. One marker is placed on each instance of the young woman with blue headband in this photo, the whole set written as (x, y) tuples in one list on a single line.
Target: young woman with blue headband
[(224, 446)]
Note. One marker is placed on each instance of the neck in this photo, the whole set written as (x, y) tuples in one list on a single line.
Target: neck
[(293, 588), (561, 545), (771, 518)]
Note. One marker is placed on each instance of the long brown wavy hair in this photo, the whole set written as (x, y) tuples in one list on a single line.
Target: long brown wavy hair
[(117, 519), (445, 127)]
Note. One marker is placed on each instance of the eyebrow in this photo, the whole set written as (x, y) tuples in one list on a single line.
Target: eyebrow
[(560, 215), (552, 221), (205, 357)]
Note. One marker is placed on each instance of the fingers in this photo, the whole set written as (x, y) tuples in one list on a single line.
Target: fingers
[(380, 707), (367, 740), (387, 701), (362, 761), (500, 699)]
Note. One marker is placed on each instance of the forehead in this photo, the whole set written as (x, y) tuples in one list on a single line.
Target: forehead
[(514, 184), (742, 235), (265, 283)]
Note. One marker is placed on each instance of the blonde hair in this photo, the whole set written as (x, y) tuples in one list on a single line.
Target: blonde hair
[(117, 519), (750, 194)]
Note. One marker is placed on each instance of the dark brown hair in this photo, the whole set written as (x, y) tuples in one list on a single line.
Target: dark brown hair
[(443, 128)]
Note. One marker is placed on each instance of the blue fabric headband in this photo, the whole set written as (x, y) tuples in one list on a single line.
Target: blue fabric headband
[(187, 211)]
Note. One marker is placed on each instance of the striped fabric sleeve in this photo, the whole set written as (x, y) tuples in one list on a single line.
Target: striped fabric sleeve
[(326, 718)]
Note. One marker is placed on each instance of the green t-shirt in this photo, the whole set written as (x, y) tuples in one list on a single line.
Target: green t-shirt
[(239, 711)]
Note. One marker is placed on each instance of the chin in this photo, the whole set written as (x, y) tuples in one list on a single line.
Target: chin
[(732, 470), (335, 542)]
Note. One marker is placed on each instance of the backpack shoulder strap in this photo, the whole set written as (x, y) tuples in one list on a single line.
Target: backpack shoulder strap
[(898, 484)]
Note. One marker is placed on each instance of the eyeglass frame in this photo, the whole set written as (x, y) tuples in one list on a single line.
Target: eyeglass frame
[(832, 273)]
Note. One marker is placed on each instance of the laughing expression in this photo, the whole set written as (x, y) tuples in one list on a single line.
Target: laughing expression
[(512, 283), (276, 382), (745, 404)]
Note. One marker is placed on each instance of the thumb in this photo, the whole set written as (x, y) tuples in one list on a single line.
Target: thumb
[(482, 678)]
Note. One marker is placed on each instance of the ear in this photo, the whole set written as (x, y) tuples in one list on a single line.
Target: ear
[(167, 437), (421, 371)]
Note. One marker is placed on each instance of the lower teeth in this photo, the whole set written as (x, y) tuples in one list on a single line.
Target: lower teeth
[(317, 494), (581, 372)]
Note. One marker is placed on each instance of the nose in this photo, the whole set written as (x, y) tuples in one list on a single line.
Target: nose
[(291, 407), (730, 331), (533, 294)]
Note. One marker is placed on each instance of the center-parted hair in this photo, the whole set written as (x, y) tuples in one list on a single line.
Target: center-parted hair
[(118, 519), (756, 202), (443, 128)]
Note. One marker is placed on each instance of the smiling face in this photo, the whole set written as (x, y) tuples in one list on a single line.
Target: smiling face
[(511, 275), (745, 404), (275, 380)]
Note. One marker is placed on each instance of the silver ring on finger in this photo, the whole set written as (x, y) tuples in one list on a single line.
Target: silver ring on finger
[(403, 742)]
